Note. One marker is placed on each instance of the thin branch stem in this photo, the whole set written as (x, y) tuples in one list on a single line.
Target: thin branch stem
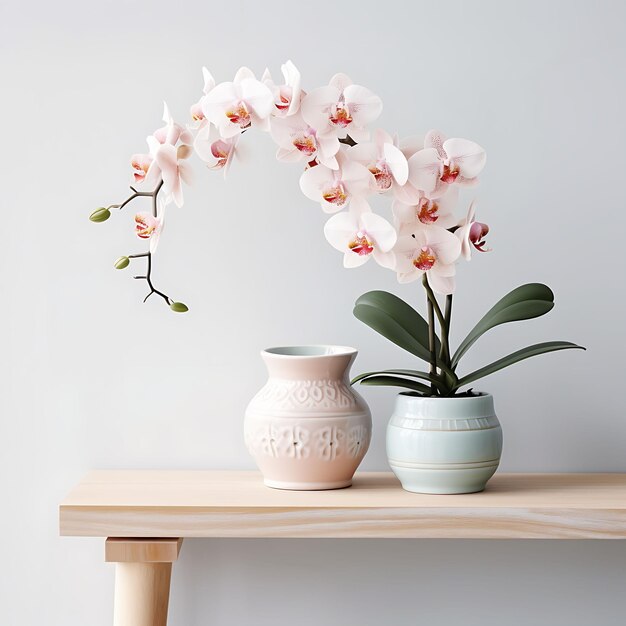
[(153, 289), (140, 194), (136, 194), (148, 277), (155, 193)]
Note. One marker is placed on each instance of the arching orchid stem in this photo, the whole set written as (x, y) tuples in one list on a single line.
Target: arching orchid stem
[(431, 336), (445, 331), (433, 299), (445, 343)]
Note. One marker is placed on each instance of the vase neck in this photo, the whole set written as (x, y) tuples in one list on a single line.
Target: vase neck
[(319, 367)]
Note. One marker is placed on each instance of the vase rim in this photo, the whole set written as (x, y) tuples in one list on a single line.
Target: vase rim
[(452, 408), (480, 395), (308, 351)]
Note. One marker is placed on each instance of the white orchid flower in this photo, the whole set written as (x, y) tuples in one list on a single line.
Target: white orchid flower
[(342, 107), (172, 132), (334, 189), (167, 148), (149, 227), (444, 162), (361, 235), (216, 152), (427, 211), (430, 250), (174, 169), (288, 95), (235, 107), (383, 159), (297, 141)]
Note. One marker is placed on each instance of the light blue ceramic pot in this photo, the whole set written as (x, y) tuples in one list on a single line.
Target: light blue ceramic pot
[(444, 445)]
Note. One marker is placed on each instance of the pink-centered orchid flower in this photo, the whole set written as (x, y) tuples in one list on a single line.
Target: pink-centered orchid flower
[(428, 250), (361, 235), (334, 189), (383, 159), (472, 234), (169, 159), (141, 166), (174, 169), (172, 132), (288, 95), (216, 152), (342, 107), (149, 227), (427, 211), (235, 107), (197, 115), (444, 162), (146, 168), (297, 141)]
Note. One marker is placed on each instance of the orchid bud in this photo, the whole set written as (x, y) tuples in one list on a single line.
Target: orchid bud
[(122, 262), (478, 230), (179, 307), (477, 233), (100, 215)]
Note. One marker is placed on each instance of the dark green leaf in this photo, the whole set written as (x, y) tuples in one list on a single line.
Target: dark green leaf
[(100, 215), (408, 373), (523, 303), (520, 355), (395, 381), (395, 320), (179, 307)]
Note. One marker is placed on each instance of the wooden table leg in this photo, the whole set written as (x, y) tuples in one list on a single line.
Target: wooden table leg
[(142, 579)]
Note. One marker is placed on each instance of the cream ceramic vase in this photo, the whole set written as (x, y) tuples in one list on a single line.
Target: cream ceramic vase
[(444, 445), (307, 428)]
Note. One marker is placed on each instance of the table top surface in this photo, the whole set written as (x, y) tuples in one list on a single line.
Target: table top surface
[(143, 503)]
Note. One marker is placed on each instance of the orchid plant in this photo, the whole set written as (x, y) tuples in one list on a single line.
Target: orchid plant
[(347, 162)]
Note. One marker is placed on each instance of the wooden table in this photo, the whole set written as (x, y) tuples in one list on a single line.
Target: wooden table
[(146, 514)]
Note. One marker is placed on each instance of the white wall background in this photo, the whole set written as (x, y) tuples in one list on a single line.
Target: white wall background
[(92, 378)]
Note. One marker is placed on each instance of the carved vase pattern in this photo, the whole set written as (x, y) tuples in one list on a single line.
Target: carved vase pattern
[(307, 428)]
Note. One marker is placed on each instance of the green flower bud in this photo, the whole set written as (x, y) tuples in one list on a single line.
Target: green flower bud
[(179, 307), (100, 215), (122, 262)]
